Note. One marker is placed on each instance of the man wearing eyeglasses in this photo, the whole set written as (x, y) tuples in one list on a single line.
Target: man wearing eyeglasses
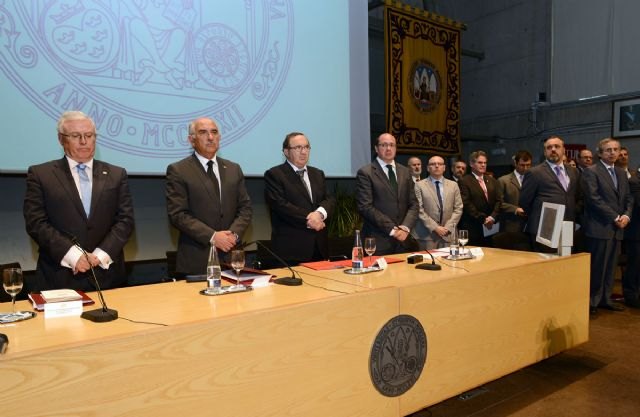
[(440, 206), (386, 200), (78, 202), (207, 200), (300, 205)]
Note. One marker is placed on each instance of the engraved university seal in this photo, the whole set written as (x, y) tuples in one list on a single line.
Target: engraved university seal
[(398, 355), (144, 69)]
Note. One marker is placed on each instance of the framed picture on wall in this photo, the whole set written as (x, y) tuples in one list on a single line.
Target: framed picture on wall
[(626, 118)]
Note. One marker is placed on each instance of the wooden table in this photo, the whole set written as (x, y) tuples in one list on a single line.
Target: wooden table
[(296, 350)]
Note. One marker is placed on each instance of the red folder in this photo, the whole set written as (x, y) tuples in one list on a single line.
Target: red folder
[(38, 301), (326, 265)]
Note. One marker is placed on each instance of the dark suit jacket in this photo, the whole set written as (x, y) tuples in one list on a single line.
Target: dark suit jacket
[(476, 208), (603, 202), (632, 231), (541, 185), (382, 208), (289, 203), (510, 222), (54, 214), (196, 212)]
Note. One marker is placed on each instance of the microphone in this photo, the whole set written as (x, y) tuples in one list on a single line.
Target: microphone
[(433, 266), (4, 342), (100, 315), (290, 281)]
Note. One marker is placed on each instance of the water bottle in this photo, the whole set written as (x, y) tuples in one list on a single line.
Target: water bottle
[(214, 272), (454, 246), (357, 254)]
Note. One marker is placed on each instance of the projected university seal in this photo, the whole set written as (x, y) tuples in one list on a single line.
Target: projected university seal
[(131, 64)]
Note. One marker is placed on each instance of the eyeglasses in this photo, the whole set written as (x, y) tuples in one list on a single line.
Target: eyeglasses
[(206, 133), (436, 164), (300, 148), (89, 136), (386, 145)]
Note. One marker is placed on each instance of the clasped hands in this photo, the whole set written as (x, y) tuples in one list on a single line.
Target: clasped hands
[(85, 263), (622, 221), (225, 240), (315, 221)]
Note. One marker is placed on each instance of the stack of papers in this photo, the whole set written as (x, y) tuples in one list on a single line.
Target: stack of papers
[(56, 296)]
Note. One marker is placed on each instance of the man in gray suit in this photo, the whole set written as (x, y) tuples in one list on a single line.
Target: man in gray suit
[(74, 202), (206, 200), (386, 199), (513, 216), (550, 182), (440, 207), (607, 211)]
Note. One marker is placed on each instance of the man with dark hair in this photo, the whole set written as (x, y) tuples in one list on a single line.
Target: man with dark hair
[(623, 162), (74, 202), (386, 199), (206, 200), (608, 205), (300, 205), (631, 277), (458, 169), (550, 182), (513, 216), (481, 199), (584, 160)]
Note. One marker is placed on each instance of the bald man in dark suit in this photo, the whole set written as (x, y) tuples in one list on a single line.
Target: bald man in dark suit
[(61, 214), (386, 199), (207, 200), (299, 203)]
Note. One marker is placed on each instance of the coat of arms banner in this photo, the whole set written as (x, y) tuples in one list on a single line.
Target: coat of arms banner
[(422, 76)]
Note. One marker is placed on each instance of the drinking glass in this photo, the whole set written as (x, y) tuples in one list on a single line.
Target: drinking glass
[(463, 238), (237, 263), (370, 248), (12, 283)]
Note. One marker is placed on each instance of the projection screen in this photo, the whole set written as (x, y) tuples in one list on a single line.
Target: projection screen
[(144, 69)]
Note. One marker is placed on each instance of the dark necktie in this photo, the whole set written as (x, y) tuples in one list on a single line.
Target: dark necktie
[(214, 179), (613, 177), (300, 173), (392, 177), (85, 188), (439, 201)]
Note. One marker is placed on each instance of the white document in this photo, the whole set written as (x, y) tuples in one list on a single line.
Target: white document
[(54, 296), (244, 275), (63, 309), (490, 232)]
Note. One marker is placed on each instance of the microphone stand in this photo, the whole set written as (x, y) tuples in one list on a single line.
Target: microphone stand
[(99, 315), (290, 281), (433, 266)]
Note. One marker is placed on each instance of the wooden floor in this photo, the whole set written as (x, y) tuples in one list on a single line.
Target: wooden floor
[(599, 378)]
